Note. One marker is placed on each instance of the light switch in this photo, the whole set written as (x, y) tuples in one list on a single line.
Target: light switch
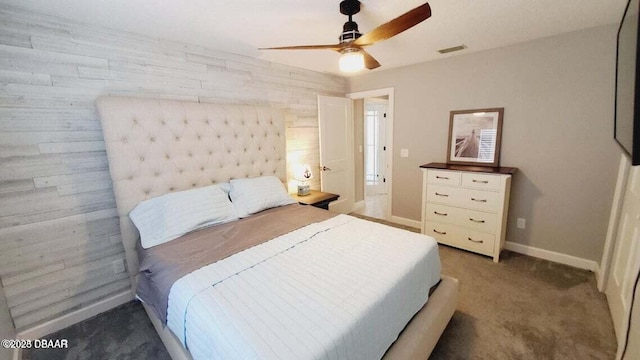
[(404, 153)]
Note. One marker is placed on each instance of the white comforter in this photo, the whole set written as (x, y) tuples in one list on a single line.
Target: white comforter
[(343, 288)]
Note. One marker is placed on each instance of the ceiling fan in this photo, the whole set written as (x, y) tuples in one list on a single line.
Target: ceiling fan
[(352, 42)]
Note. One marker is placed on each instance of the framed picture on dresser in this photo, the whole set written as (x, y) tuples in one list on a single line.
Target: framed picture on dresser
[(475, 137)]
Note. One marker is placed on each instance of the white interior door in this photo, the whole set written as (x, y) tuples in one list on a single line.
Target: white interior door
[(625, 263), (335, 118)]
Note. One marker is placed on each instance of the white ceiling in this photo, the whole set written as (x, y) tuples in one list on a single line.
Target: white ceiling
[(241, 26)]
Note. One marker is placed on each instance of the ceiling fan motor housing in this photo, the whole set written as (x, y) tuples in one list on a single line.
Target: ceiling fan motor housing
[(349, 32), (350, 28)]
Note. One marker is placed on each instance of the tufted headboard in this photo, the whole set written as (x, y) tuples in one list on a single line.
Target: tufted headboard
[(159, 146)]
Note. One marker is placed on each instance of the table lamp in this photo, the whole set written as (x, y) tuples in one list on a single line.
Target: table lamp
[(302, 175)]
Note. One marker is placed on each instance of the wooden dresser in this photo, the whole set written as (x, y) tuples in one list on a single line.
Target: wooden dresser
[(466, 206)]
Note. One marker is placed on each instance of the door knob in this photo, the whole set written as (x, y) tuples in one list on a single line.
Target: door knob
[(324, 168)]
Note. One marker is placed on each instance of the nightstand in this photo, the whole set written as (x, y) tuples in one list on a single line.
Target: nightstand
[(315, 198)]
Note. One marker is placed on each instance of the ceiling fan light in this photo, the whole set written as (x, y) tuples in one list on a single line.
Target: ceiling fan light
[(351, 61)]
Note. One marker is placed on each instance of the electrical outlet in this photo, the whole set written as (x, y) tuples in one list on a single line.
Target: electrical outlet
[(118, 266), (404, 153), (521, 223)]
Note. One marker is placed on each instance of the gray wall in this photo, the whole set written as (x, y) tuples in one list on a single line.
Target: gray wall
[(558, 124), (58, 220)]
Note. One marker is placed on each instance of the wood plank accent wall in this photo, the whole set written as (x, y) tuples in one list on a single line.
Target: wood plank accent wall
[(6, 327), (59, 233)]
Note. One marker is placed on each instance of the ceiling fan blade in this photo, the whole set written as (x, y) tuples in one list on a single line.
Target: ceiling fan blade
[(369, 61), (305, 47), (395, 26)]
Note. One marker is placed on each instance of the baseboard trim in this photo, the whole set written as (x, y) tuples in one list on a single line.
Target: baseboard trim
[(75, 317), (406, 222), (557, 257), (358, 206)]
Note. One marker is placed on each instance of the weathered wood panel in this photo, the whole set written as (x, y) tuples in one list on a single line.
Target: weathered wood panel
[(86, 226), (17, 77), (40, 137), (79, 121), (59, 232), (59, 180)]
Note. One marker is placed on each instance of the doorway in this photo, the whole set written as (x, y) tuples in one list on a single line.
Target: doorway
[(375, 113), (373, 122), (375, 183)]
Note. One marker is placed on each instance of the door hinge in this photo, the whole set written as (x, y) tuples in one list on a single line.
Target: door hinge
[(384, 180), (384, 115), (384, 148)]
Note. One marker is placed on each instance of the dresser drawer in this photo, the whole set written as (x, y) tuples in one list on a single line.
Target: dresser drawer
[(443, 233), (452, 235), (443, 177), (481, 181), (475, 241), (443, 195), (480, 200), (471, 219), (443, 213), (467, 198)]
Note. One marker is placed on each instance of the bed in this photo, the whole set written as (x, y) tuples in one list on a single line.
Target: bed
[(284, 282)]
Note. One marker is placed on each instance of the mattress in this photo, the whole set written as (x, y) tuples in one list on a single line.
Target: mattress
[(342, 288)]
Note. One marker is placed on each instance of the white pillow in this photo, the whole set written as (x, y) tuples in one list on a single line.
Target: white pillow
[(253, 195), (167, 217)]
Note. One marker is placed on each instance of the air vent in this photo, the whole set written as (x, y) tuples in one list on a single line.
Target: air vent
[(452, 49)]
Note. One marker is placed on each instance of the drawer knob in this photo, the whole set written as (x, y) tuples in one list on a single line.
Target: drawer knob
[(478, 200), (475, 241), (440, 232), (477, 221), (480, 181), (441, 214), (445, 195), (442, 177)]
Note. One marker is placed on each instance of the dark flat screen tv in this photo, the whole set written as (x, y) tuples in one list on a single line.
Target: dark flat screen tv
[(627, 107)]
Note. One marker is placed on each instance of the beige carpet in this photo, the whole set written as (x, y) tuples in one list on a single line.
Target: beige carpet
[(523, 308)]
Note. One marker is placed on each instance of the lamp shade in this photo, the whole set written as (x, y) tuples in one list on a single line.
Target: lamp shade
[(303, 172), (351, 61)]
